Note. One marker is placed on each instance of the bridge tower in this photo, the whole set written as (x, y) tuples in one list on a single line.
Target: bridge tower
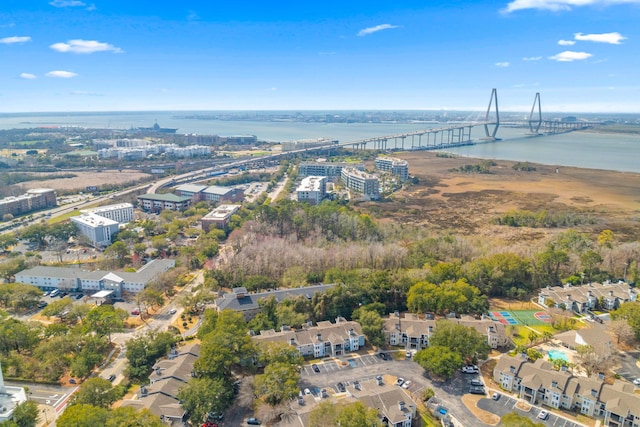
[(534, 124), (491, 136)]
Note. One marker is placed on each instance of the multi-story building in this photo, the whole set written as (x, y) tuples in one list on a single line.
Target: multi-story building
[(37, 198), (159, 202), (219, 217), (412, 332), (97, 229), (606, 296), (361, 182), (213, 193), (312, 189), (160, 396), (539, 383), (10, 398), (331, 170), (74, 279), (397, 167), (324, 339), (121, 212), (246, 303)]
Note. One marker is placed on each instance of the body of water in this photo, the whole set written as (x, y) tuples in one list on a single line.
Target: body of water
[(619, 152)]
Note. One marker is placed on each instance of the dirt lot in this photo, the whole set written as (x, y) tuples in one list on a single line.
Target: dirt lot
[(467, 202), (84, 179)]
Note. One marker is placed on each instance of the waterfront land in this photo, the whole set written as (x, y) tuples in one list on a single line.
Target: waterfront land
[(468, 203)]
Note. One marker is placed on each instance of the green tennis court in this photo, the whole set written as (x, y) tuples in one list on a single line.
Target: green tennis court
[(521, 317)]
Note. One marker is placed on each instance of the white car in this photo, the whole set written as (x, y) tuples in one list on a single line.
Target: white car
[(543, 415), (470, 369), (406, 384), (636, 381), (173, 311)]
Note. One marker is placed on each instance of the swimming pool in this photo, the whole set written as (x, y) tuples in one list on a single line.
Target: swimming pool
[(557, 354)]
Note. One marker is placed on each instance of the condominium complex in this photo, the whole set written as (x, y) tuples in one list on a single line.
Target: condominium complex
[(219, 217), (74, 279), (397, 167), (361, 182), (159, 202), (312, 189), (329, 169), (38, 198), (306, 143), (97, 229)]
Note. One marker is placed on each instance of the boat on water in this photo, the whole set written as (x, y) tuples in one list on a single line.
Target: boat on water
[(156, 128)]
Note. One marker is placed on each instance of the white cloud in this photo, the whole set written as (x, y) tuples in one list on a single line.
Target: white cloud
[(566, 42), (15, 39), (27, 76), (85, 46), (558, 5), (84, 93), (371, 30), (502, 64), (611, 38), (532, 58), (569, 56), (67, 3), (61, 74)]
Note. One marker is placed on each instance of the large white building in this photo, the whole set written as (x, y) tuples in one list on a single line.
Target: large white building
[(97, 229), (121, 212), (332, 170), (361, 182), (397, 167), (312, 189), (10, 398), (219, 217), (74, 279)]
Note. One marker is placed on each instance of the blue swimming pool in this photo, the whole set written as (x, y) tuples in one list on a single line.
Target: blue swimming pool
[(557, 354)]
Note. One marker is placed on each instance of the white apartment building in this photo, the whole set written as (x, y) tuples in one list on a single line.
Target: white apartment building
[(121, 212), (361, 182), (312, 189), (96, 228), (332, 170), (397, 167)]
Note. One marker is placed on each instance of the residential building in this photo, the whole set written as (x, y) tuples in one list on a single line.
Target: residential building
[(35, 199), (312, 189), (361, 182), (10, 398), (242, 301), (596, 337), (219, 217), (120, 212), (74, 279), (96, 228), (190, 190), (539, 383), (582, 298), (167, 377), (412, 332), (159, 202), (397, 167), (331, 170), (324, 339), (216, 193)]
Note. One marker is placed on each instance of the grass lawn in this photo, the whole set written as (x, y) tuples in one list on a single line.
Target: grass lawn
[(63, 217)]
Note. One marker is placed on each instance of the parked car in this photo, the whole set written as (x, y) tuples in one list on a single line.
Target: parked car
[(135, 312), (383, 356), (543, 415), (495, 396), (477, 383), (407, 354), (476, 390), (79, 296), (400, 381), (253, 421), (323, 393), (379, 380), (307, 391), (315, 368), (636, 381), (111, 377), (173, 311), (406, 384), (72, 381), (341, 388), (470, 369)]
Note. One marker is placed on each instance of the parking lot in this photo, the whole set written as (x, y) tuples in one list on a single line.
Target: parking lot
[(332, 365), (506, 404)]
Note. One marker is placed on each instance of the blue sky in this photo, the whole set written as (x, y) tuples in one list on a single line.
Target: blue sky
[(104, 55)]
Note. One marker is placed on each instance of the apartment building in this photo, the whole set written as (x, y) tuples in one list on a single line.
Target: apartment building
[(122, 213), (412, 332), (306, 143), (74, 279), (35, 199), (332, 170), (539, 383), (582, 298), (361, 182), (159, 202), (219, 217), (396, 167), (324, 339), (312, 189)]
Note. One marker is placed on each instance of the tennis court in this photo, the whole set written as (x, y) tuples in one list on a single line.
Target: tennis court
[(520, 317)]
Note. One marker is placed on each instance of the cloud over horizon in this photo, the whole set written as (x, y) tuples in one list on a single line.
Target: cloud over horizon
[(84, 47), (67, 3), (566, 42), (27, 76), (371, 30), (611, 38), (570, 56), (502, 64), (15, 39), (61, 74), (532, 58), (560, 5)]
